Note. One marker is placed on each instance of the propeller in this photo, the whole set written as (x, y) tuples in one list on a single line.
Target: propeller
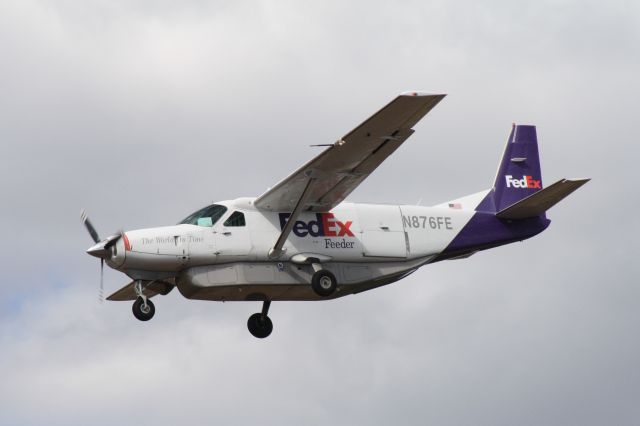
[(101, 249), (101, 293), (89, 226)]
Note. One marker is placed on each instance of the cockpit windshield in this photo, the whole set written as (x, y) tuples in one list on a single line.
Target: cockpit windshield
[(206, 216)]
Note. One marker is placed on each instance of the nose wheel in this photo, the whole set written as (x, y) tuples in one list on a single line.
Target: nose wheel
[(143, 309), (259, 324)]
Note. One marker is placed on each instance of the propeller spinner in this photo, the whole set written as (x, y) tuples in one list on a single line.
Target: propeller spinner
[(102, 248)]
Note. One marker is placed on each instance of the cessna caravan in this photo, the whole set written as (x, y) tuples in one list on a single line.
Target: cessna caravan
[(301, 240)]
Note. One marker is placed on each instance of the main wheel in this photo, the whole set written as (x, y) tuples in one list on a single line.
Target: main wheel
[(142, 312), (324, 283), (260, 326)]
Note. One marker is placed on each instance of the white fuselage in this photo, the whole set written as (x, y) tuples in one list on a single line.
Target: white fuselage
[(365, 245)]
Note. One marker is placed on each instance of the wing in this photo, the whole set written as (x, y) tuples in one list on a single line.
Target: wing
[(329, 178)]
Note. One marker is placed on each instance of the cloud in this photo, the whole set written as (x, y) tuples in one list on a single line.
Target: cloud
[(142, 112)]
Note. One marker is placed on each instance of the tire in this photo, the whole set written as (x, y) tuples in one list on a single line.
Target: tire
[(324, 283), (140, 313), (259, 326)]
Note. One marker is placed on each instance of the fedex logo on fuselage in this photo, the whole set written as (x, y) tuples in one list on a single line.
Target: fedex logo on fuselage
[(325, 225), (525, 182)]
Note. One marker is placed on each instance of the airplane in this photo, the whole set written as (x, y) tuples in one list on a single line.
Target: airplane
[(300, 240)]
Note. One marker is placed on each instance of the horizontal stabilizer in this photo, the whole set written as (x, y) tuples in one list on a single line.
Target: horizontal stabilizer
[(541, 201), (150, 289)]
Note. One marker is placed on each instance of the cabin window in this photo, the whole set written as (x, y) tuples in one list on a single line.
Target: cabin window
[(207, 216), (236, 219)]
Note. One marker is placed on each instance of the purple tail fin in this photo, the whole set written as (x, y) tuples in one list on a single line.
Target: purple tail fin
[(519, 174)]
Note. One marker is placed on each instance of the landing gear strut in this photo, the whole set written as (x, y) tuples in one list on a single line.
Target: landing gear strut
[(142, 308), (259, 324)]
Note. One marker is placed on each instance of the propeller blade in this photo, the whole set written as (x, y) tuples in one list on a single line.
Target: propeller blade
[(101, 294), (89, 226)]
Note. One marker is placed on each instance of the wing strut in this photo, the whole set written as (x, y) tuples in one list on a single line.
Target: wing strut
[(277, 251)]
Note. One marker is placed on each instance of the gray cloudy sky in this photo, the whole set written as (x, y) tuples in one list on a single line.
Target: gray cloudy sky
[(143, 111)]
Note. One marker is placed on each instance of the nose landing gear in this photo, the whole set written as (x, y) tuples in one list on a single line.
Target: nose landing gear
[(259, 324), (143, 308)]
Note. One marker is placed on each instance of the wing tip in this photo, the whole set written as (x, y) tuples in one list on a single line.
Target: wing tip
[(421, 94)]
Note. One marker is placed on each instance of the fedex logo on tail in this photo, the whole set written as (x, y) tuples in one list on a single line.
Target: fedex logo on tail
[(325, 225), (525, 182)]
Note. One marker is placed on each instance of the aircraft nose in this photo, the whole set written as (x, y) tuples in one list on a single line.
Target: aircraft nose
[(102, 249), (99, 251)]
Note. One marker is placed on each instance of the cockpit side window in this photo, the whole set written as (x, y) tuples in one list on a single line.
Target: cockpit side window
[(236, 219), (207, 216)]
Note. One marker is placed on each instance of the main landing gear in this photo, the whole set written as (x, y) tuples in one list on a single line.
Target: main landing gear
[(323, 282), (259, 324), (142, 308)]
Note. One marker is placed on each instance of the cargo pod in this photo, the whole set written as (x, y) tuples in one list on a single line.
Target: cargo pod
[(382, 232)]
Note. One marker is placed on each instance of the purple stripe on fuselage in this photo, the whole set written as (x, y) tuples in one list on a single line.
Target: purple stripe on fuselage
[(485, 231)]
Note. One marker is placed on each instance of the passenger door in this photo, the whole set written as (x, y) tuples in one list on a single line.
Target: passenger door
[(233, 242)]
